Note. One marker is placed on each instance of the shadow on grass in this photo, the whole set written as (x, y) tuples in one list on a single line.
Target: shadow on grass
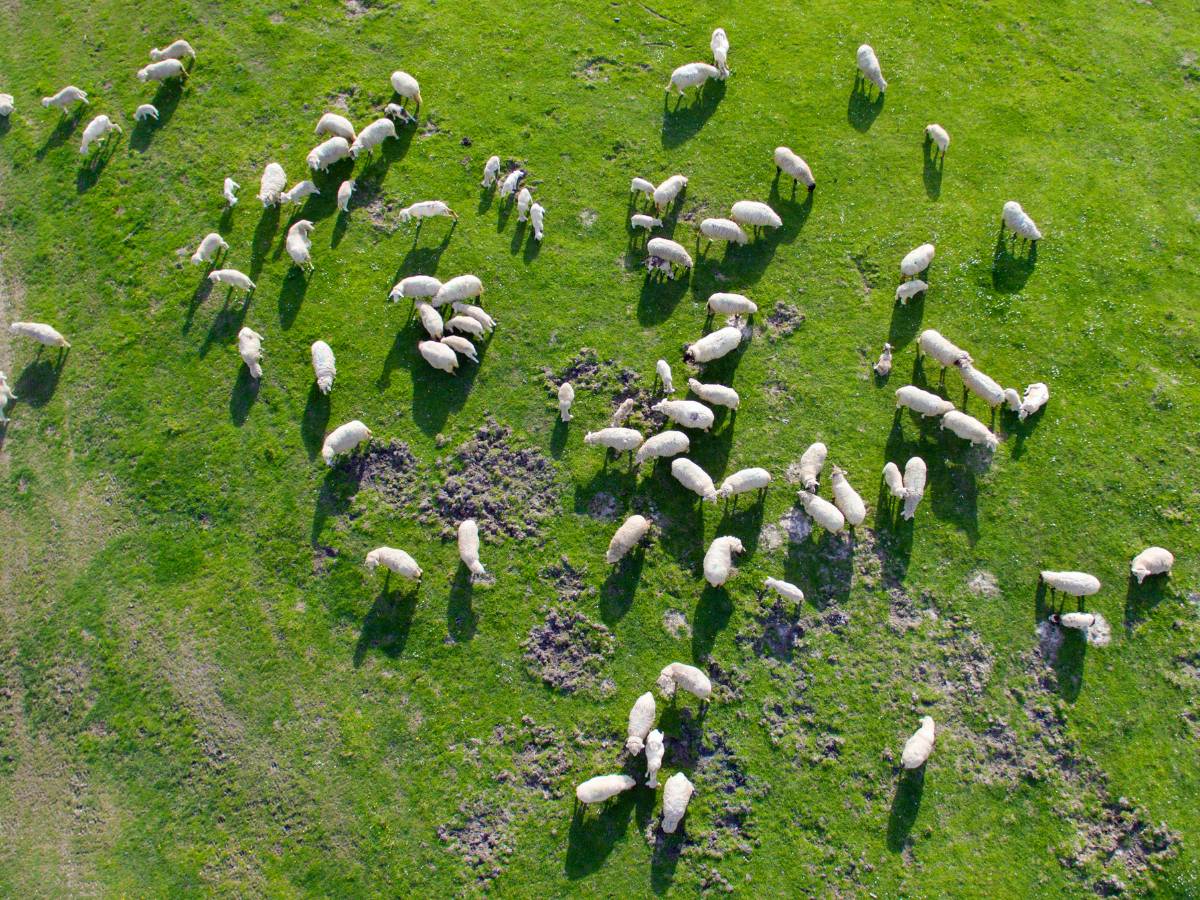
[(166, 98), (1011, 268), (291, 296), (682, 122), (861, 110), (951, 491), (905, 806), (422, 260), (595, 831), (227, 322), (461, 621), (906, 322), (1069, 664), (935, 162), (1140, 599), (90, 171), (617, 592), (388, 623), (242, 397), (711, 615), (62, 132), (315, 421), (437, 394), (658, 297), (39, 379), (264, 234)]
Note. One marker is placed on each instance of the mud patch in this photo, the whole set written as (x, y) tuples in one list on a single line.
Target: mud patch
[(569, 583), (323, 558), (588, 217), (482, 835), (603, 506), (783, 320), (596, 70), (569, 652), (868, 272), (587, 372), (540, 764), (796, 525), (382, 212), (983, 583), (676, 624), (388, 469)]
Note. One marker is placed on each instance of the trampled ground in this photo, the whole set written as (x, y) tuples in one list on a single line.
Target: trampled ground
[(204, 691)]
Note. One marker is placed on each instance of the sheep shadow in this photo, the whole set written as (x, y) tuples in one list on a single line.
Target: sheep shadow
[(390, 151), (264, 235), (664, 857), (437, 394), (906, 322), (91, 169), (1010, 271), (461, 620), (226, 323), (709, 619), (1020, 430), (38, 381), (594, 834), (616, 594), (681, 123), (711, 451), (166, 98), (747, 263), (861, 110), (1140, 599), (315, 421), (905, 805), (558, 438), (225, 223), (932, 171), (242, 397), (337, 490), (532, 248), (658, 297), (291, 297), (1068, 665), (744, 523), (487, 196), (386, 626), (422, 260), (62, 132)]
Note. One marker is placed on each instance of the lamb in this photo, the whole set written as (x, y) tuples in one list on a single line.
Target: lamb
[(145, 112), (822, 512), (1076, 584), (681, 675), (687, 413), (7, 105), (566, 396), (716, 394), (300, 192), (438, 355), (324, 366), (212, 244), (640, 220), (511, 182), (427, 209), (811, 463), (161, 71), (922, 402), (461, 346), (784, 589), (982, 386), (883, 367), (868, 64), (602, 787), (68, 96), (932, 343), (755, 214), (394, 560), (718, 561), (725, 230), (731, 305), (915, 473), (97, 131), (524, 201), (233, 278), (250, 348), (6, 396), (332, 123), (229, 191), (939, 135), (537, 218), (893, 480), (970, 429), (299, 244), (692, 75), (1035, 398), (623, 412), (1012, 399), (918, 747), (416, 286), (406, 86), (460, 287), (345, 192), (1016, 219), (791, 164), (665, 248), (641, 720), (1152, 561), (917, 260), (272, 184), (468, 547), (179, 49), (743, 481), (847, 499), (623, 440), (491, 169), (343, 439), (654, 757), (465, 325), (714, 345), (487, 322), (662, 445), (1095, 627), (906, 290), (694, 478), (400, 114), (44, 334), (665, 194), (325, 154), (372, 136), (677, 793), (720, 49), (625, 538), (430, 320), (641, 185)]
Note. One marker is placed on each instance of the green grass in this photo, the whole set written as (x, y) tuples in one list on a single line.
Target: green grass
[(191, 706)]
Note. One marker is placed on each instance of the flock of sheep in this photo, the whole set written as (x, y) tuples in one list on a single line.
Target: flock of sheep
[(451, 338)]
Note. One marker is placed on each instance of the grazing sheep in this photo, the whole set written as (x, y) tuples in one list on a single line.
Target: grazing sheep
[(44, 334), (406, 86), (915, 473), (1152, 561), (427, 209), (465, 325), (940, 137), (641, 185), (917, 261), (663, 370), (461, 346), (868, 64), (681, 675), (655, 750), (1012, 399), (161, 71), (677, 793), (918, 747), (250, 348), (1095, 627), (233, 278), (1016, 219), (603, 787), (6, 396), (340, 126), (229, 190), (345, 192), (416, 286), (212, 244), (491, 169), (272, 184), (731, 305), (694, 478), (343, 439), (883, 366), (906, 290), (460, 287), (394, 560), (179, 49), (1036, 396), (933, 344), (97, 131), (720, 49), (922, 402), (692, 75), (784, 589), (714, 345), (438, 355), (300, 192), (7, 105), (755, 214), (665, 248), (524, 201), (970, 429), (822, 512), (508, 187), (625, 538), (847, 499), (372, 136), (718, 561), (299, 244), (811, 463), (688, 413), (789, 163), (641, 720), (468, 547), (325, 154), (145, 113), (665, 194), (68, 96), (623, 440), (725, 230), (537, 218), (623, 412), (324, 366), (662, 445), (399, 113), (640, 220), (476, 313), (894, 480), (717, 394), (566, 396), (1077, 584), (743, 481), (982, 386), (431, 321)]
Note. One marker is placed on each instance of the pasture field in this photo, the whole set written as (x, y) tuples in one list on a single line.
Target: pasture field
[(204, 692)]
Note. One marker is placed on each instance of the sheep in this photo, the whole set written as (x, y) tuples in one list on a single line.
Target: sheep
[(163, 70), (566, 396), (915, 472), (1036, 396), (476, 313), (345, 192), (300, 192), (1094, 626), (665, 194), (1076, 584), (1152, 561), (460, 287), (662, 445), (725, 230), (730, 305), (339, 126), (68, 96), (784, 589), (250, 348), (811, 463), (537, 218), (822, 512), (6, 396), (465, 325), (933, 344), (344, 438), (438, 355), (399, 113), (7, 105), (640, 220), (179, 49), (623, 440), (918, 747), (415, 286), (847, 499), (789, 163), (212, 244), (145, 113), (324, 366), (1016, 219), (641, 186), (692, 75), (430, 320), (524, 201), (893, 480), (716, 394), (714, 345), (654, 757), (625, 538), (622, 412), (468, 547), (662, 370), (922, 402), (1012, 399), (917, 260), (755, 214), (427, 209), (883, 366), (982, 386), (694, 478), (970, 429), (44, 334), (394, 560), (688, 413), (406, 86), (229, 191), (602, 787), (299, 244), (720, 49), (325, 154), (680, 675), (868, 64), (665, 248), (508, 187), (233, 278), (906, 290), (461, 346), (272, 184), (491, 169), (641, 720), (743, 481), (718, 561), (372, 136), (939, 135), (677, 793), (97, 131)]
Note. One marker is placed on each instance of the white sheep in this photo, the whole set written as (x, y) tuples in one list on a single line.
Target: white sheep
[(1012, 399), (677, 793), (939, 135), (460, 287), (720, 49), (755, 214), (416, 286), (212, 244), (461, 346), (1095, 626), (716, 394), (822, 512), (491, 169), (725, 230), (44, 334), (922, 402), (229, 191), (566, 396), (603, 787), (233, 278), (714, 345), (917, 260), (272, 184), (68, 96), (427, 209), (250, 348), (512, 181), (477, 313), (623, 440), (906, 290), (665, 194), (7, 105), (663, 445), (915, 473), (299, 244), (537, 218), (883, 366), (970, 429), (328, 152), (465, 325), (672, 252), (332, 123), (692, 75), (847, 499), (811, 463), (868, 64), (790, 163), (524, 201), (625, 538), (662, 369), (372, 136), (642, 186), (743, 481), (918, 747), (641, 720), (933, 344), (431, 321), (1076, 584), (406, 86), (623, 412), (1019, 222), (394, 560), (1152, 561), (894, 480), (468, 547), (688, 413), (6, 396), (343, 439), (145, 112), (784, 589), (163, 70), (345, 192), (731, 305), (655, 750), (641, 220), (398, 112), (1036, 396), (97, 131), (438, 355), (694, 478), (718, 561), (324, 366), (300, 192), (681, 675), (982, 386), (179, 49)]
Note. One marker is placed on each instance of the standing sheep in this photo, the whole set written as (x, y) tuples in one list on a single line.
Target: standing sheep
[(458, 288), (324, 366), (566, 396), (755, 214), (725, 230), (232, 277), (1036, 396), (883, 366), (932, 343), (474, 312), (162, 71), (784, 589), (97, 131), (250, 348), (229, 191), (1152, 561), (524, 201), (970, 429), (491, 169), (731, 305), (641, 720), (430, 320), (718, 561), (622, 440), (894, 480), (625, 538), (662, 445), (665, 194), (922, 402), (44, 334), (917, 261), (716, 394), (145, 112), (466, 325), (461, 346), (468, 547), (623, 412), (868, 65), (6, 396), (209, 248), (1016, 219), (1076, 584), (694, 478), (508, 187), (915, 473), (692, 75), (343, 439), (714, 345), (400, 114), (427, 209), (940, 137), (68, 96), (272, 184), (179, 49), (672, 252), (822, 512), (662, 371), (641, 220), (372, 136), (345, 192), (299, 244), (603, 787), (394, 560), (681, 675), (415, 286), (641, 186), (906, 290), (789, 163), (332, 123), (438, 355), (720, 49), (918, 747), (300, 192), (811, 463), (982, 386), (743, 481), (537, 218), (847, 499), (325, 154), (1013, 399), (655, 750), (677, 793), (406, 86), (688, 413)]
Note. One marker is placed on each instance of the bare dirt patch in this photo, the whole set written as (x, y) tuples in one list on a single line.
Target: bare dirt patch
[(983, 583), (784, 319), (388, 469), (676, 624), (482, 835), (568, 651)]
